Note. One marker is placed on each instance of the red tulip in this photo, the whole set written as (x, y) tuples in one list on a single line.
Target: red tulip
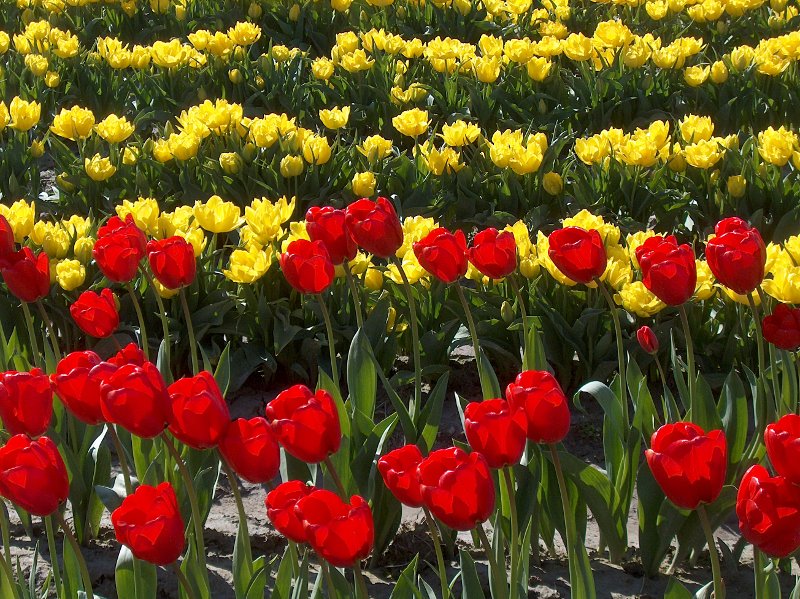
[(7, 244), (496, 430), (127, 226), (443, 254), (96, 314), (172, 261), (280, 504), (768, 508), (647, 339), (457, 487), (374, 226), (538, 393), (399, 471), (198, 414), (26, 402), (578, 253), (494, 254), (130, 354), (340, 533), (327, 224), (250, 448), (33, 475), (669, 270), (136, 398), (737, 255), (119, 252), (688, 464), (307, 266), (305, 423), (782, 439), (77, 383), (782, 327), (149, 523), (27, 275)]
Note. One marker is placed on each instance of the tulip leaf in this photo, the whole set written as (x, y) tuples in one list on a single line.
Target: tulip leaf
[(659, 521), (134, 578), (471, 587), (735, 416), (409, 431), (242, 561), (223, 372), (361, 381), (284, 578), (405, 587), (430, 417), (676, 590)]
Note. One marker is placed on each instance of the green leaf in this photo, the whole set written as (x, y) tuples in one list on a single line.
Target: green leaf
[(470, 583), (406, 587), (223, 372), (676, 590), (361, 381), (430, 417), (134, 578)]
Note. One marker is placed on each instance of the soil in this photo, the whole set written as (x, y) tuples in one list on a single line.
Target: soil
[(549, 579)]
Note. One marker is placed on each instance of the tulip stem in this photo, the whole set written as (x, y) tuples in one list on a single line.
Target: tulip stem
[(486, 386), (514, 540), (354, 292), (758, 572), (51, 547), (140, 317), (5, 557), (87, 580), (9, 576), (569, 517), (335, 476), (195, 507), (183, 580), (498, 578), (361, 584), (691, 376), (527, 359), (187, 315), (237, 497), (719, 588), (623, 381), (38, 357), (326, 316), (762, 366), (326, 570), (123, 460), (437, 547), (162, 314), (50, 330), (415, 347)]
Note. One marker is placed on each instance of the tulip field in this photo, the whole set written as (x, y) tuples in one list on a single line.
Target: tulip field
[(403, 299)]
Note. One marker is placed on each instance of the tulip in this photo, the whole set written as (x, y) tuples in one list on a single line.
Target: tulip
[(444, 477), (782, 327), (251, 449), (399, 471), (769, 512), (579, 254), (33, 475), (307, 266), (647, 339), (688, 464), (77, 383), (198, 414), (126, 226), (443, 254), (374, 226), (280, 504), (669, 270), (343, 534), (27, 275), (538, 393), (782, 439), (118, 254), (496, 430), (96, 314), (306, 424), (494, 254), (130, 354), (172, 261), (327, 225), (7, 245), (136, 398), (149, 523), (737, 255), (26, 402)]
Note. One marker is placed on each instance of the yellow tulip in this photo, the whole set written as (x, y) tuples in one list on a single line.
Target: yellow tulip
[(216, 215)]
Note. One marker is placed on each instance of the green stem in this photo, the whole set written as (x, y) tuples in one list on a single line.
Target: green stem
[(498, 577), (53, 549), (38, 357), (336, 480), (361, 584), (329, 332), (326, 569), (415, 346), (237, 497), (50, 329), (719, 588), (87, 580), (162, 314), (354, 293), (569, 520), (140, 317), (514, 540), (527, 359), (295, 559), (691, 374), (190, 491), (183, 580), (123, 460), (187, 315), (762, 367), (758, 572), (10, 577), (437, 547), (623, 383), (5, 557), (486, 386)]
